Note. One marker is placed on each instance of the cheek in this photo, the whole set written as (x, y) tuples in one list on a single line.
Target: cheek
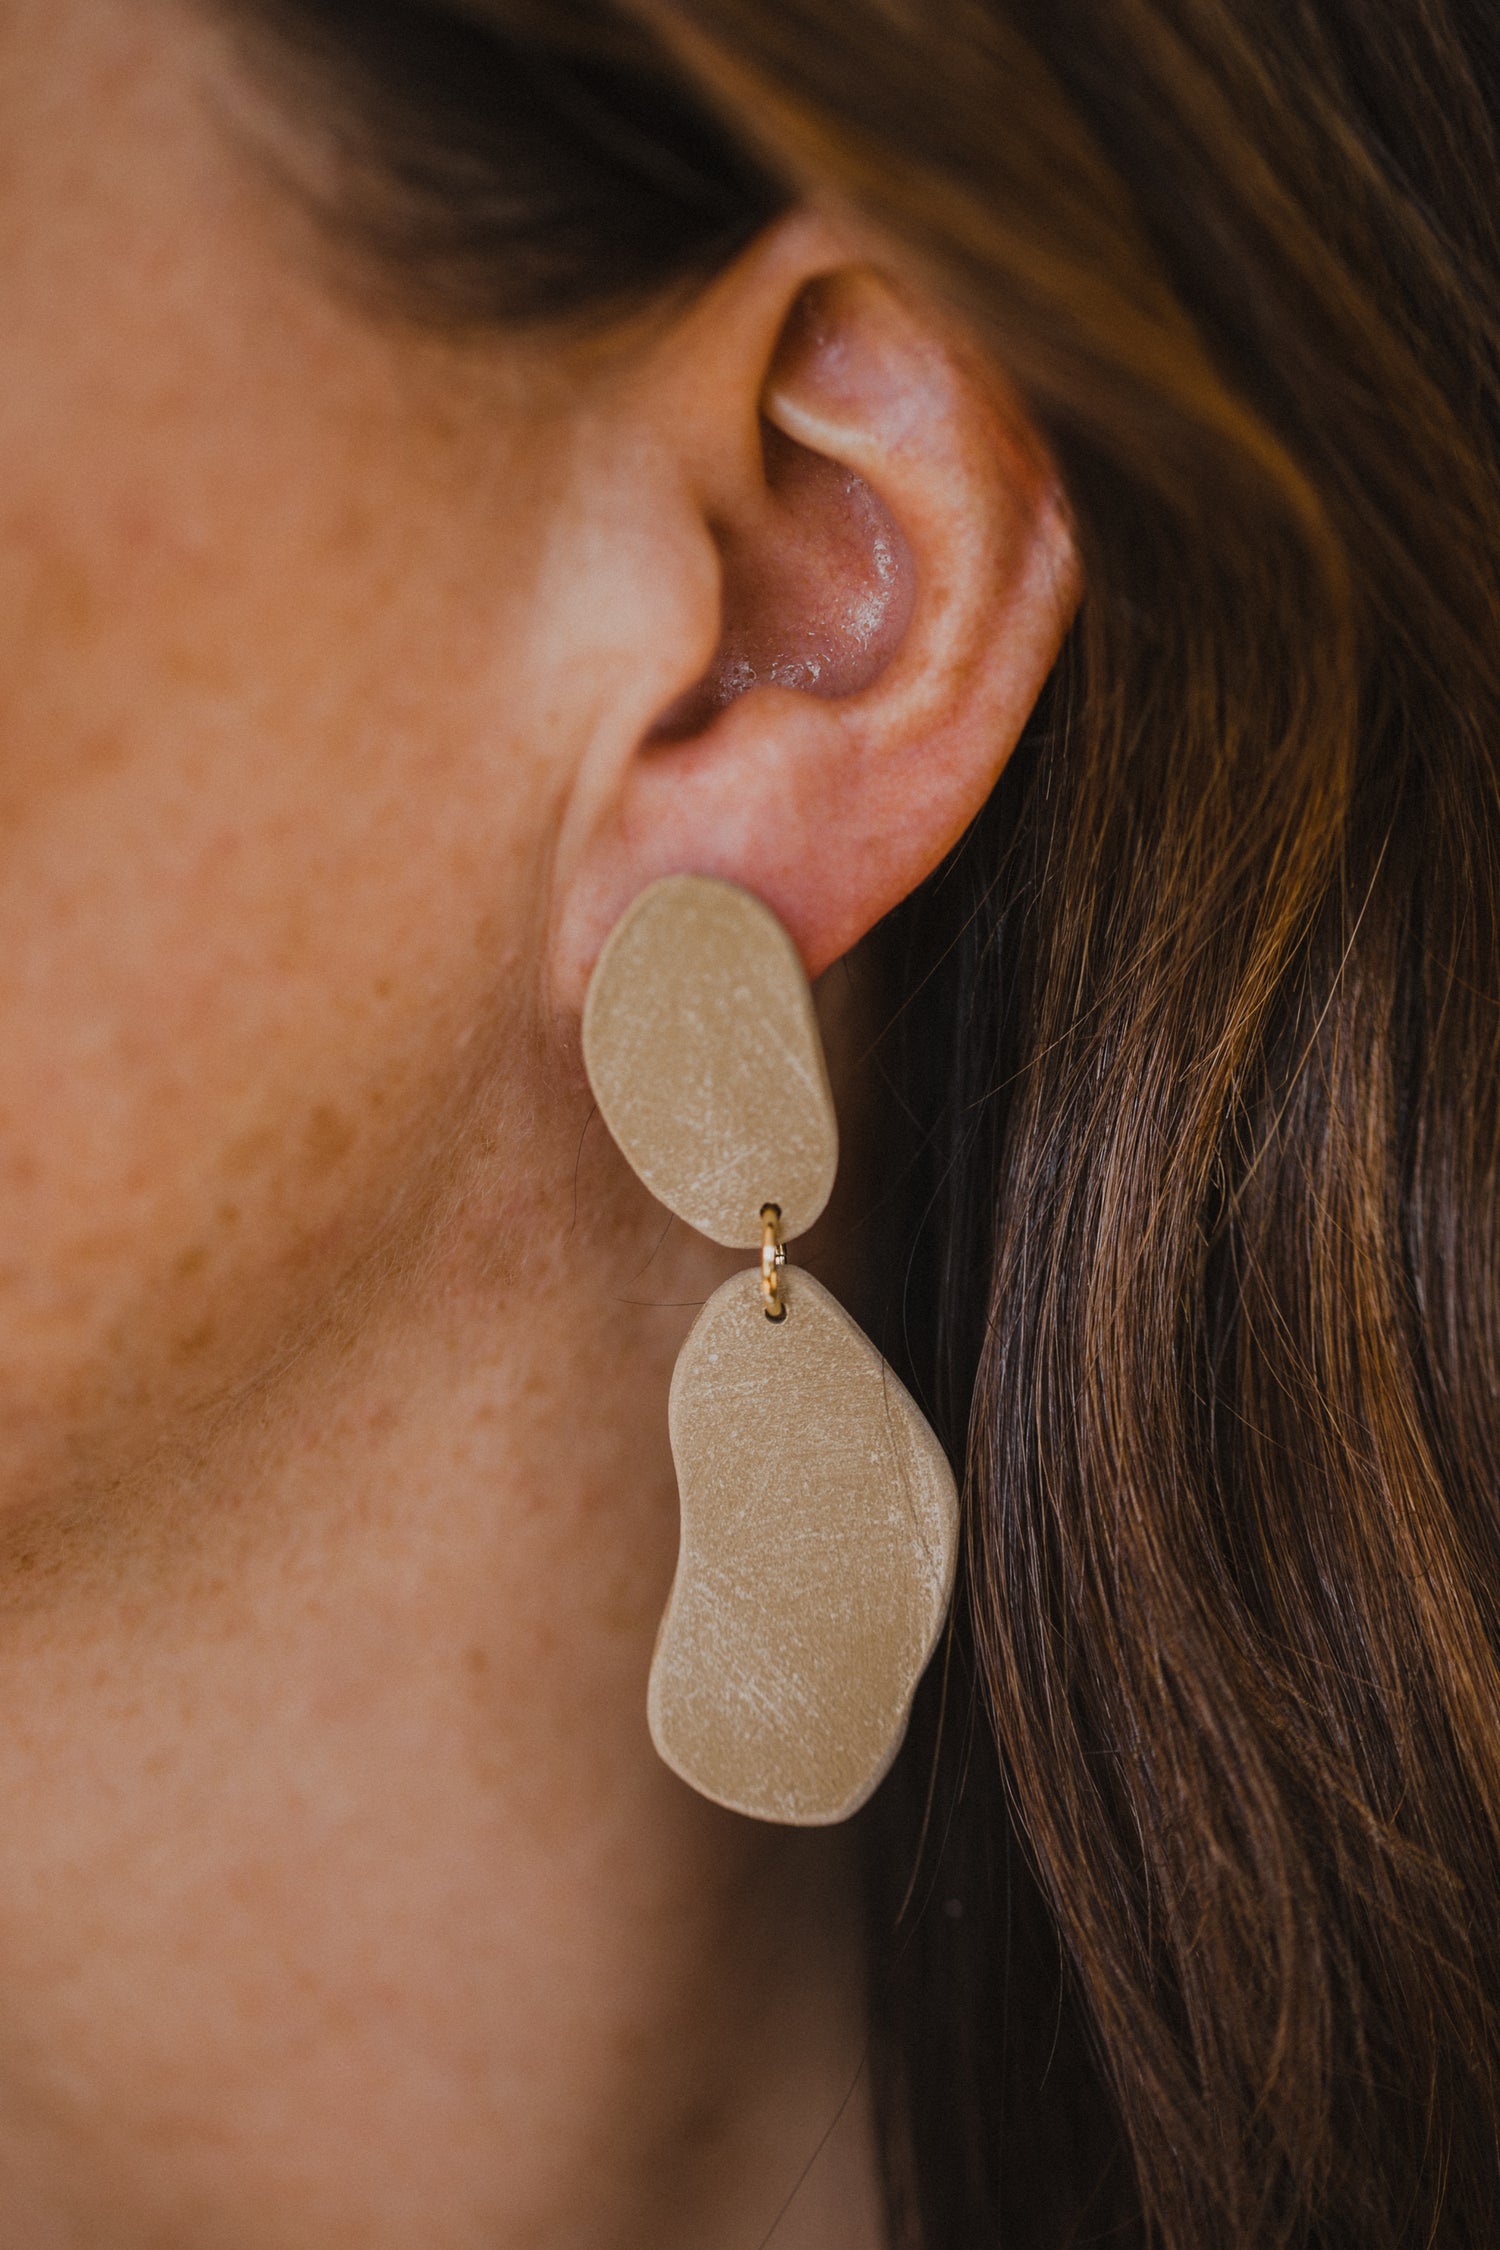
[(273, 815), (260, 920)]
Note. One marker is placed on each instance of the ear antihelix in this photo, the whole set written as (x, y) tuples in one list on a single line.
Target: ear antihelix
[(819, 1515)]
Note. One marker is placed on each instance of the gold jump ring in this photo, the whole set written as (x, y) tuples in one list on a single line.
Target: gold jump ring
[(772, 1259)]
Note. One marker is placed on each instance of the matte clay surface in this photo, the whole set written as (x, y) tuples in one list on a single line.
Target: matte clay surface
[(704, 1056), (819, 1535)]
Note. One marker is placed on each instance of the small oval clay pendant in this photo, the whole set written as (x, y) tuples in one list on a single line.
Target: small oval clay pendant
[(705, 1059), (819, 1517)]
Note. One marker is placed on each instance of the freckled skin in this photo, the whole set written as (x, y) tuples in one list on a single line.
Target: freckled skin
[(354, 679), (342, 1899)]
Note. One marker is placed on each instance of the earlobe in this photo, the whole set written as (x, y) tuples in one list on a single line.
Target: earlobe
[(896, 578)]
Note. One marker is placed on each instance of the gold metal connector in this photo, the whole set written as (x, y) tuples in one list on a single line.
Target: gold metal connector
[(772, 1259)]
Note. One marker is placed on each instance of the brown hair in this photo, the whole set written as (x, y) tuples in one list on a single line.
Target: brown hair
[(1189, 1881)]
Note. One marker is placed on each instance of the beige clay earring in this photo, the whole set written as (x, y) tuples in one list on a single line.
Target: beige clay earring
[(819, 1518)]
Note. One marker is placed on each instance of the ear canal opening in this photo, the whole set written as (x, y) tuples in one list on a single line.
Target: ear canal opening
[(818, 589)]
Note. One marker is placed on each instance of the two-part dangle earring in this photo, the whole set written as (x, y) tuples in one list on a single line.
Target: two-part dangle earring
[(819, 1517)]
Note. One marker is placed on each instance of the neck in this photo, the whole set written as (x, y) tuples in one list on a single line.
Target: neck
[(350, 1901)]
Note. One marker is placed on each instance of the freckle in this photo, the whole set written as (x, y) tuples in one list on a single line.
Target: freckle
[(327, 1137), (98, 1247), (384, 987), (101, 753), (62, 599), (229, 1214), (477, 1662), (191, 664), (197, 1340), (191, 1262), (353, 529), (246, 1153)]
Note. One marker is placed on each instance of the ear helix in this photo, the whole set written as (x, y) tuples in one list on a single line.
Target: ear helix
[(819, 1516)]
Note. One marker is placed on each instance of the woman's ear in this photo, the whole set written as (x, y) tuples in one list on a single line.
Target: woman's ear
[(891, 576)]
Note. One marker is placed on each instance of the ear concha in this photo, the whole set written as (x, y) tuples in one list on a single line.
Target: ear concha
[(703, 1052), (819, 1539)]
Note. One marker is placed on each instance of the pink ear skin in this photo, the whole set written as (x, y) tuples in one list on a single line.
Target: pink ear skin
[(882, 577)]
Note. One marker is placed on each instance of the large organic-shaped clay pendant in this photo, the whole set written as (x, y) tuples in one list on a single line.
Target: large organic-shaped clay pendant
[(818, 1532), (819, 1517)]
